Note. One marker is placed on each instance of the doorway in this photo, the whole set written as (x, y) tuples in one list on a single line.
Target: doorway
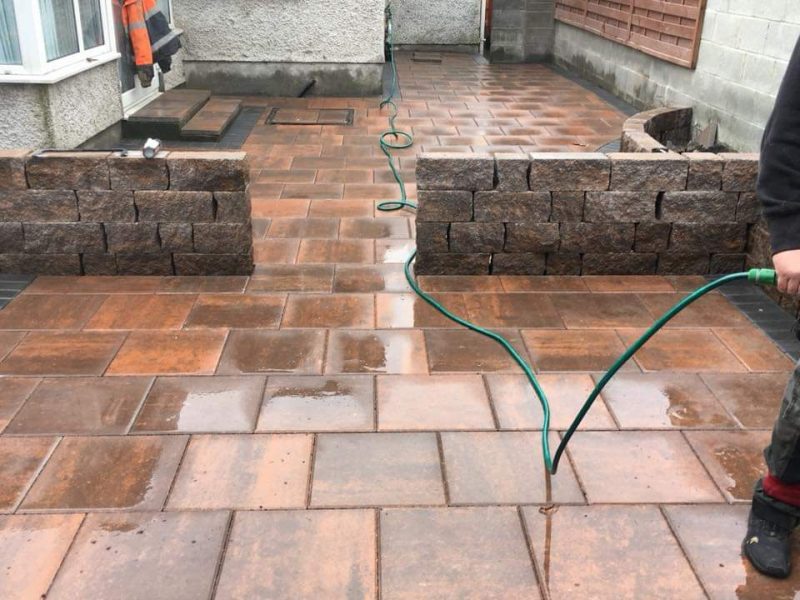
[(486, 27), (134, 96)]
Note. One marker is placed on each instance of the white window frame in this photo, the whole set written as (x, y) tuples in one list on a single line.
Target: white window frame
[(35, 67)]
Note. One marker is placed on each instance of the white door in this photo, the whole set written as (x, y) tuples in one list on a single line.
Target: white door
[(134, 96)]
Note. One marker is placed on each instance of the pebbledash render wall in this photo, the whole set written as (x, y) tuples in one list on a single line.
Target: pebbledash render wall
[(437, 22), (98, 213), (275, 47), (744, 51), (585, 214)]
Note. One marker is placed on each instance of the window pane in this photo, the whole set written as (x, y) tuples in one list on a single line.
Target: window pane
[(163, 6), (60, 29), (91, 23), (9, 38)]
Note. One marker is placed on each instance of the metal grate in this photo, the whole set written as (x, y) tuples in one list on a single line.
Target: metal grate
[(306, 116)]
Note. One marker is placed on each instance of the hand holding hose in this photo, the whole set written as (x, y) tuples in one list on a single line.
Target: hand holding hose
[(787, 265)]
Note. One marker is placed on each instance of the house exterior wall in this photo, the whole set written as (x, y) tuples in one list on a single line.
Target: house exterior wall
[(744, 51), (254, 41), (63, 114), (437, 22)]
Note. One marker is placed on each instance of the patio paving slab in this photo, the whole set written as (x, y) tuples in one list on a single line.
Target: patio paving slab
[(31, 550), (87, 473), (376, 469), (609, 465), (263, 351), (81, 406), (62, 353), (145, 555), (752, 398), (301, 554), (243, 472), (609, 552), (20, 461), (318, 403), (455, 553), (13, 392), (201, 405), (169, 353)]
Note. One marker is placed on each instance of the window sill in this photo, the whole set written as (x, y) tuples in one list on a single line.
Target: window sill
[(60, 74)]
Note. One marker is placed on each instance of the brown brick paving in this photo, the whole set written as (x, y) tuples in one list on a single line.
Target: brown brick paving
[(396, 456)]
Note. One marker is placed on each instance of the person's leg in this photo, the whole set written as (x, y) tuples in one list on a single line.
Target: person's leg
[(776, 499)]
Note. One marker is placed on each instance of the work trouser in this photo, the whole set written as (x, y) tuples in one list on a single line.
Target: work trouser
[(783, 456)]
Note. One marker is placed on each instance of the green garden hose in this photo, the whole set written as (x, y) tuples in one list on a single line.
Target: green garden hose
[(402, 139)]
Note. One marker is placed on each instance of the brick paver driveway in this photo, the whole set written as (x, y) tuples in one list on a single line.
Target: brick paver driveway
[(314, 431)]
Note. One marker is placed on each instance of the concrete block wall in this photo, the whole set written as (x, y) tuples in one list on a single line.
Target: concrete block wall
[(584, 214), (522, 30), (98, 213), (744, 51)]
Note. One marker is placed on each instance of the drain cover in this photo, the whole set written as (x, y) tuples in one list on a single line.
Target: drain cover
[(306, 116), (427, 57)]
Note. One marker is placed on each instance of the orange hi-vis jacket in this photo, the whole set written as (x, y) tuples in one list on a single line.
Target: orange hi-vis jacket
[(152, 39)]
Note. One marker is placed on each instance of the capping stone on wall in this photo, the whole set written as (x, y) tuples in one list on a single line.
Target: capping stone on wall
[(98, 213), (583, 213)]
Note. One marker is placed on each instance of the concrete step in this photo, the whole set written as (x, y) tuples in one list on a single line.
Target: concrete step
[(211, 121), (165, 116)]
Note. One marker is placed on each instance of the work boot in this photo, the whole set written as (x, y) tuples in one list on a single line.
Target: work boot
[(768, 541)]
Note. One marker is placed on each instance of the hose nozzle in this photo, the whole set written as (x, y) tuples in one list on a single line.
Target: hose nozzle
[(762, 276)]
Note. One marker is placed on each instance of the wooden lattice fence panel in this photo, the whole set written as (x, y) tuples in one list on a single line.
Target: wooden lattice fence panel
[(668, 29)]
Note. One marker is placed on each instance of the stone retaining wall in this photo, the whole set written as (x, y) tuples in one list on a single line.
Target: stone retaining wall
[(653, 130), (590, 214), (98, 213)]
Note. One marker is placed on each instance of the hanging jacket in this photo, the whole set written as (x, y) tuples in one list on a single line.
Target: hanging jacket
[(151, 38)]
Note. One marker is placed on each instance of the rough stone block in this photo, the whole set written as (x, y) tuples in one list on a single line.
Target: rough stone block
[(135, 172), (652, 237), (568, 206), (69, 171), (213, 264), (11, 239), (140, 263), (444, 206), (727, 263), (512, 206), (740, 172), (518, 263), (212, 171), (38, 206), (569, 171), (63, 238), (467, 238), (619, 263), (132, 237), (648, 172), (699, 207), (563, 263), (106, 206), (705, 171), (597, 237), (432, 237), (621, 207), (434, 263), (223, 238), (41, 264), (99, 264), (532, 237), (175, 207), (12, 169), (708, 237), (450, 171), (748, 209), (232, 207), (683, 263), (512, 172), (176, 237)]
